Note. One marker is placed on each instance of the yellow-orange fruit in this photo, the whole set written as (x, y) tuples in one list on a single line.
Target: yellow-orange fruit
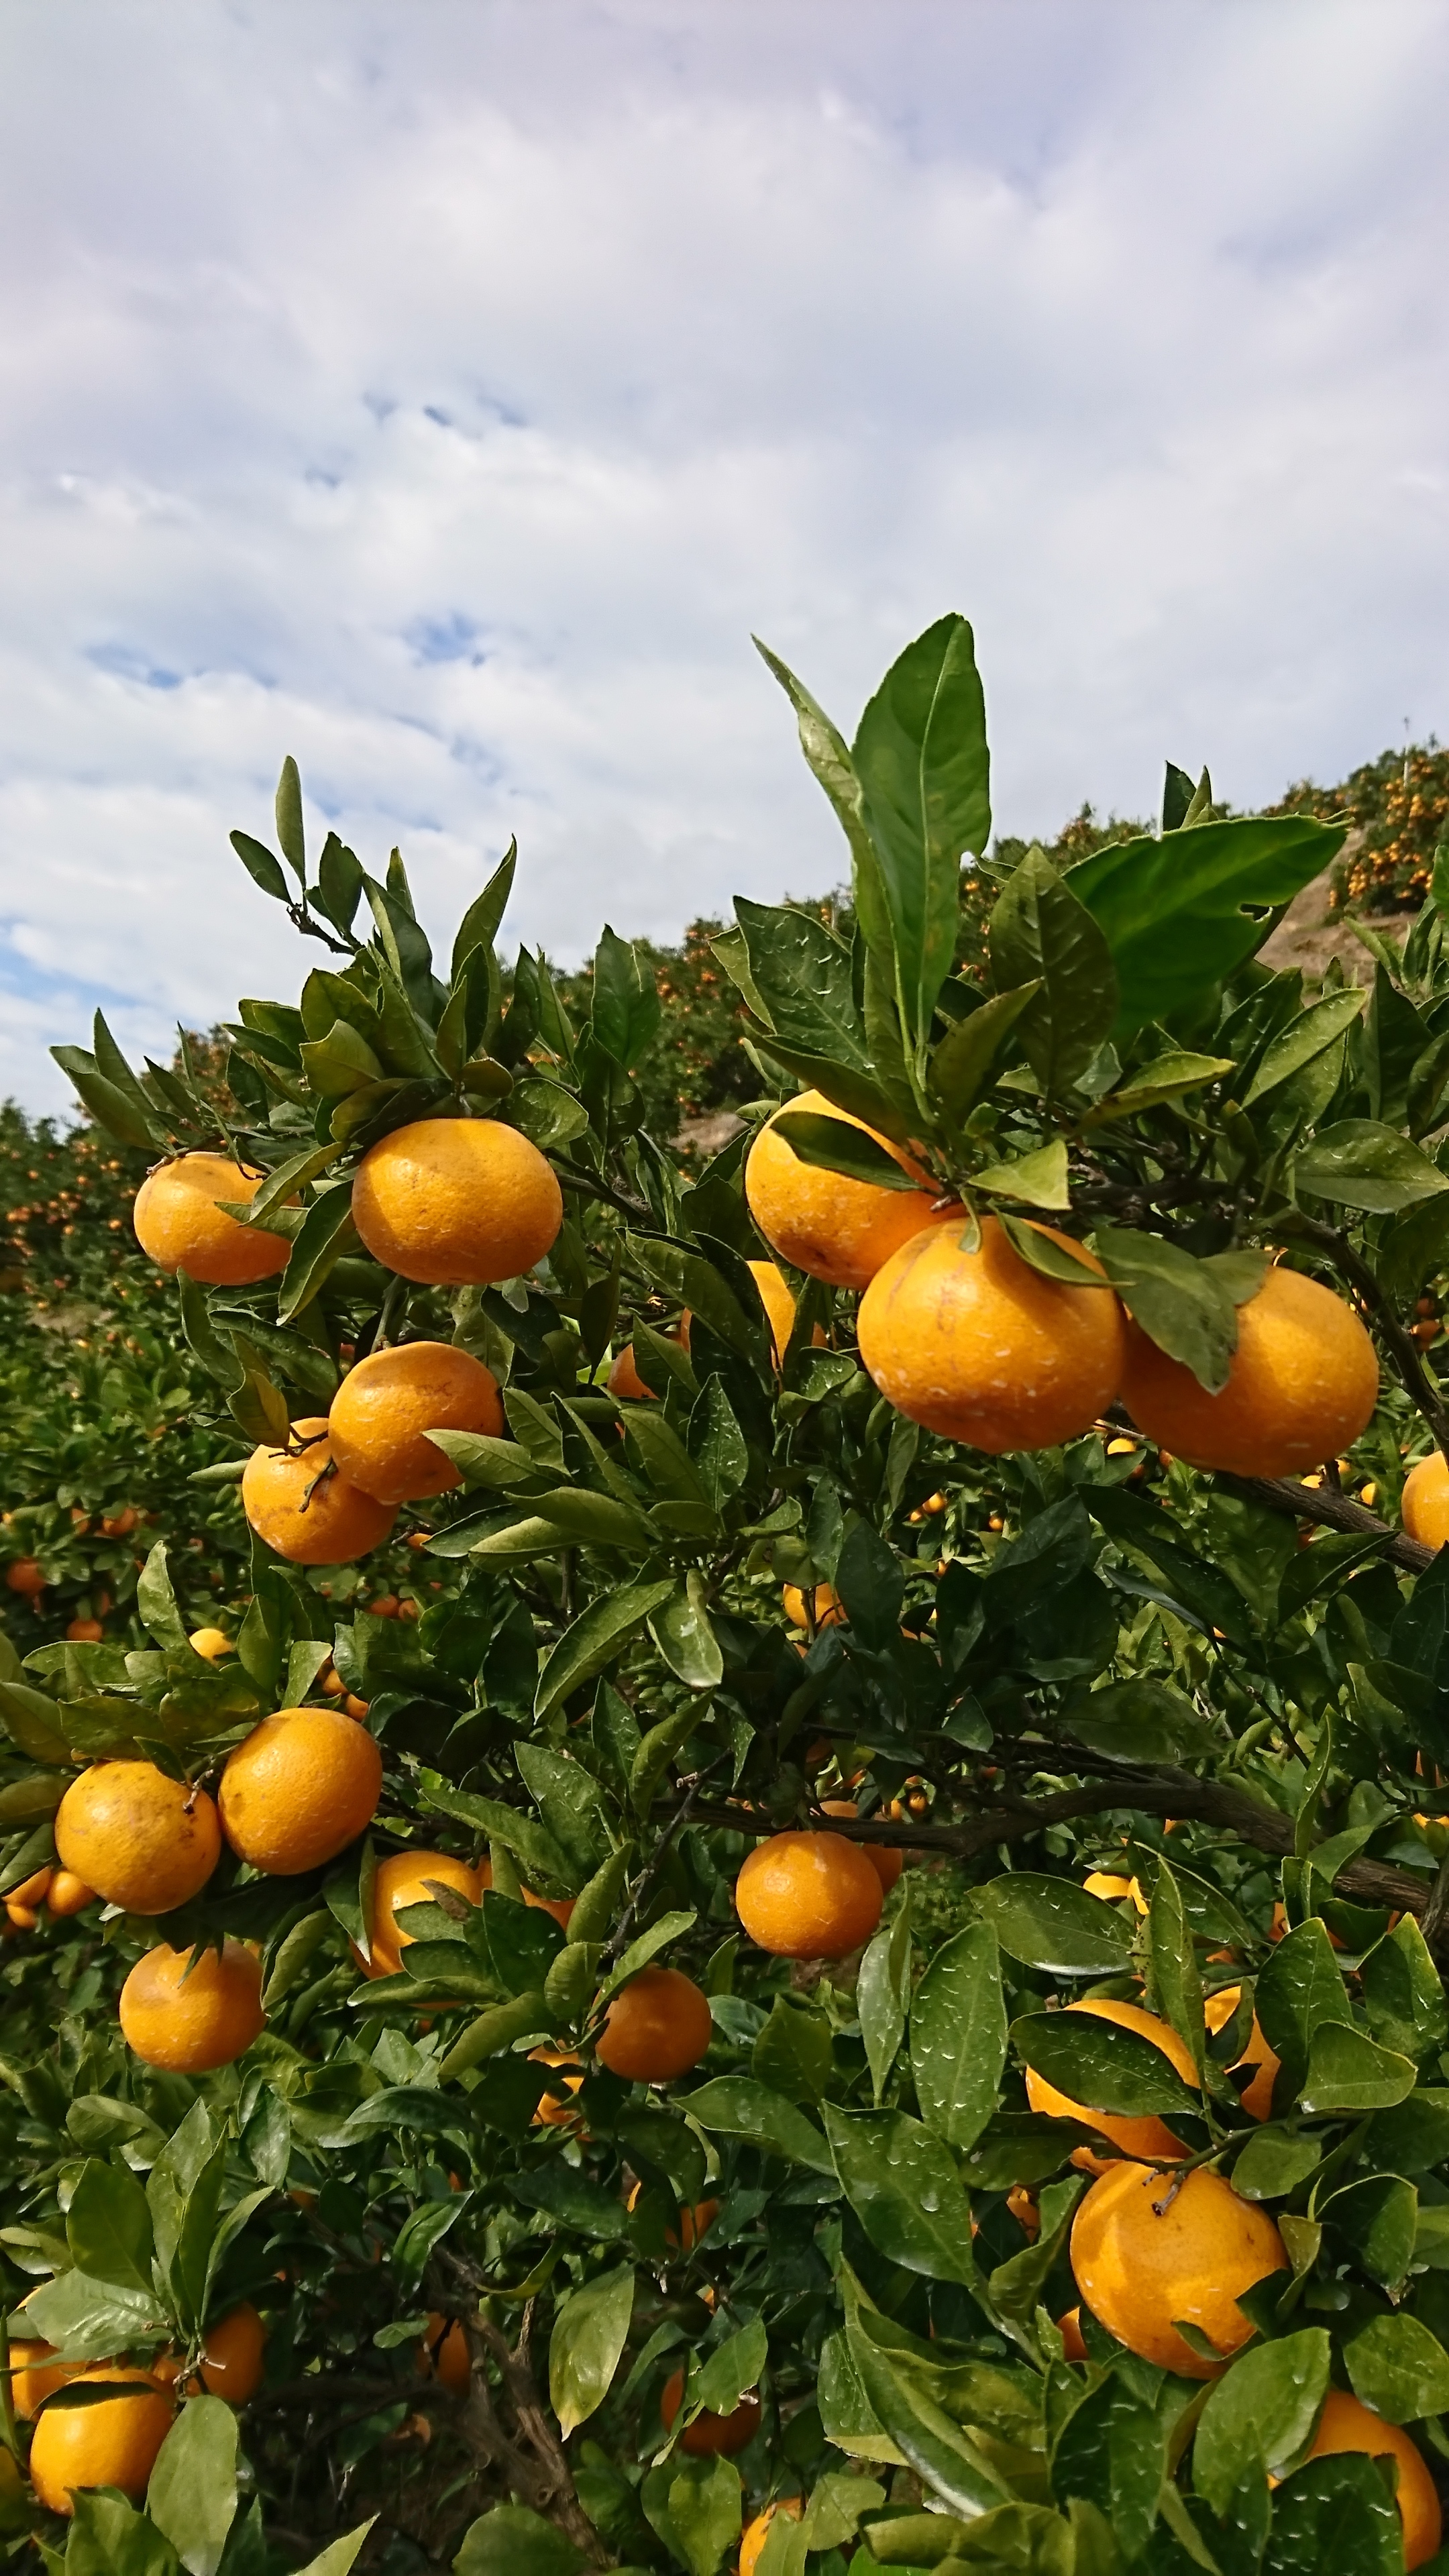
[(456, 1202), (1425, 1506), (21, 1918), (979, 1346), (756, 2533), (443, 2354), (829, 1609), (1345, 2425), (1302, 1383), (232, 2358), (112, 2443), (553, 2111), (299, 1789), (884, 1859), (1112, 1887), (837, 1229), (1144, 2135), (1257, 2098), (779, 1306), (84, 1632), (808, 1896), (710, 2434), (211, 1643), (386, 1406), (36, 2375), (141, 1840), (31, 1890), (303, 1508), (26, 1575), (192, 2023), (402, 1880), (1069, 2328), (1149, 2248), (624, 1380), (68, 1894), (657, 2027), (180, 1223)]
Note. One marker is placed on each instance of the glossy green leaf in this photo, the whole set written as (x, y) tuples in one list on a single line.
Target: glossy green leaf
[(1274, 2162), (1173, 910), (1301, 1987), (1397, 2367), (1040, 932), (108, 2227), (1348, 2071), (1359, 1164), (1053, 1924), (737, 2107), (513, 2540), (1264, 2409), (192, 2495), (959, 1066), (829, 1145), (883, 1992), (801, 975), (920, 754), (694, 2505), (1378, 2218), (1336, 2513), (1168, 1076), (1306, 1037), (1179, 1302), (1403, 1992), (903, 2186), (326, 1233), (1038, 1179), (589, 2334), (684, 1634), (1102, 2063), (940, 2452), (958, 2036), (596, 1637)]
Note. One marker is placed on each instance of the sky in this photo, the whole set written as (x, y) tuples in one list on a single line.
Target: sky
[(444, 391)]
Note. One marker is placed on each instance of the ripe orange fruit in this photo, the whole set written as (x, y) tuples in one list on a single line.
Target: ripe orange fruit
[(829, 1609), (756, 2533), (299, 1789), (1150, 2247), (37, 2376), (232, 2355), (1070, 2329), (1109, 1885), (120, 1524), (693, 2223), (779, 1306), (836, 1229), (1136, 2136), (884, 1859), (179, 1222), (68, 1894), (112, 2443), (386, 1406), (304, 1509), (192, 2023), (1345, 2425), (981, 1347), (808, 1896), (710, 2434), (444, 2354), (1425, 1506), (85, 1632), (657, 2027), (26, 1575), (1302, 1383), (553, 2112), (624, 1380), (31, 1890), (402, 1880), (456, 1202), (212, 1643), (140, 1840), (1257, 2099)]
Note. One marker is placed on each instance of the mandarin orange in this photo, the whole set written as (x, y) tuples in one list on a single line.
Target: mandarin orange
[(1302, 1384), (656, 2027), (112, 2442), (190, 2017), (300, 1787), (885, 1858), (822, 1222), (180, 1222), (297, 1501), (808, 1896), (456, 1202), (1143, 2135), (140, 1839), (710, 2435), (1346, 2425), (1425, 1505), (1149, 2249), (403, 1879), (386, 1406)]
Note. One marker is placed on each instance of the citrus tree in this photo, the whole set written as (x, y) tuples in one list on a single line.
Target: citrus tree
[(483, 2088)]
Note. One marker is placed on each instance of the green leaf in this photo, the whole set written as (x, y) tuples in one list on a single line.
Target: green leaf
[(1040, 1179), (1398, 2368), (589, 2334), (1361, 1165), (732, 2369), (1378, 2220), (338, 2557), (801, 977), (1176, 1983), (718, 1453), (958, 2036), (594, 1640), (1263, 2409), (694, 2505), (192, 2494), (626, 1004), (738, 2107), (1335, 2513), (108, 2227), (1180, 1303), (829, 1145), (1040, 932), (1173, 911), (1052, 1924), (921, 757), (960, 1064), (1306, 1037), (1403, 1993), (513, 2540), (480, 924), (1109, 2458), (1274, 2162), (339, 1064), (1348, 2071), (32, 1720), (684, 1634), (903, 2185), (951, 2464), (288, 810), (260, 866), (92, 2320), (325, 1234), (667, 1928), (108, 2537), (830, 762), (1167, 1077), (793, 2052), (883, 1993), (1135, 1721), (1300, 1989), (156, 1602), (1102, 2063)]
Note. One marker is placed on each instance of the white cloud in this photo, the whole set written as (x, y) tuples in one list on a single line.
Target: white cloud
[(443, 394)]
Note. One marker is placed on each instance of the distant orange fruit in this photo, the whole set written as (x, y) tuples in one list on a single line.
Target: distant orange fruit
[(836, 1229), (31, 1890), (885, 1859), (211, 1643), (1069, 2328), (112, 2443), (1151, 2249), (624, 1380), (299, 1789), (1345, 2425), (402, 1880), (180, 1223), (779, 1306), (68, 1894), (456, 1202), (983, 1348), (140, 1839), (555, 2112), (829, 1609), (710, 2435), (693, 2223), (443, 2353), (657, 2027), (26, 1575), (808, 1896), (386, 1406), (85, 1632), (1143, 2135), (189, 2024), (296, 1500), (1111, 1886), (1302, 1384), (756, 2533), (233, 2357), (1425, 1505), (1257, 2097)]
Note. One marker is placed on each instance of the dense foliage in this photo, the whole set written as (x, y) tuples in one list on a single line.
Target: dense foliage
[(849, 2224)]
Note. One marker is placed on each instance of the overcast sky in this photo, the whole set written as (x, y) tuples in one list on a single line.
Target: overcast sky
[(443, 390)]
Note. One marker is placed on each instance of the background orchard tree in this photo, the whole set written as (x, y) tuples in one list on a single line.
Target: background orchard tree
[(631, 2166)]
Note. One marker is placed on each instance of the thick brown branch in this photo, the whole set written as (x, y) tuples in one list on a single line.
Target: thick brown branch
[(1331, 1511)]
